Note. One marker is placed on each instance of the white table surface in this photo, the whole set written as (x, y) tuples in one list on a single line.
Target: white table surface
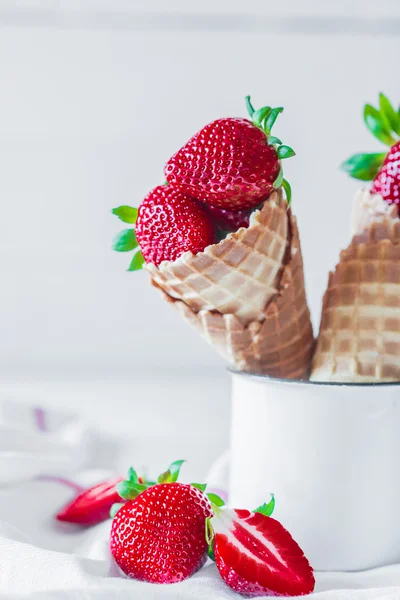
[(158, 417), (162, 416)]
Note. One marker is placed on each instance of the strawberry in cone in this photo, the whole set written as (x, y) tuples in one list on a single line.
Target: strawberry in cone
[(359, 338), (220, 242), (165, 530)]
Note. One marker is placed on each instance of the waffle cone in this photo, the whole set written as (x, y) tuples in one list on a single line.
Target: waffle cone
[(237, 276), (280, 343), (359, 338)]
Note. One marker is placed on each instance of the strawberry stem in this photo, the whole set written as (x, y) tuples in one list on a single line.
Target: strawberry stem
[(209, 532), (266, 509), (249, 106), (265, 118), (271, 118), (172, 474), (199, 486), (288, 191), (215, 500), (115, 508)]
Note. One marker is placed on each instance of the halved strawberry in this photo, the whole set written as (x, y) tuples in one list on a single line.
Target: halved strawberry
[(256, 556)]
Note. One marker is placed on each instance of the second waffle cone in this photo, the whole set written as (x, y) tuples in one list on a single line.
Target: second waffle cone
[(359, 337)]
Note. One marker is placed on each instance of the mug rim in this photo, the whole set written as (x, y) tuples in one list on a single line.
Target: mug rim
[(353, 384)]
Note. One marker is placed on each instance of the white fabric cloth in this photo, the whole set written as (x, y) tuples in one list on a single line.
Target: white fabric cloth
[(43, 455)]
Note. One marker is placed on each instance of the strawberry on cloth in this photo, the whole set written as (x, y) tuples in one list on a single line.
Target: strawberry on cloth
[(256, 556), (91, 506), (164, 531), (159, 534)]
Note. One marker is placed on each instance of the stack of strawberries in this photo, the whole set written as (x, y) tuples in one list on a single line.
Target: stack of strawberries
[(162, 532), (220, 242)]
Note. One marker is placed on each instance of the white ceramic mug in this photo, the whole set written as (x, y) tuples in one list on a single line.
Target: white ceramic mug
[(331, 455)]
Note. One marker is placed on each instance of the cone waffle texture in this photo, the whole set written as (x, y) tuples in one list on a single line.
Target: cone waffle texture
[(279, 342), (359, 337), (239, 275)]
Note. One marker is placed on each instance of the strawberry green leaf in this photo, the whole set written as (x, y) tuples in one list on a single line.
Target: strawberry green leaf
[(279, 179), (249, 106), (266, 509), (288, 191), (214, 499), (164, 477), (132, 475), (127, 214), (285, 152), (175, 468), (172, 473), (377, 125), (137, 262), (129, 490), (363, 166), (210, 553), (273, 140), (209, 532), (115, 508), (260, 114), (125, 241), (270, 120), (199, 486), (389, 114)]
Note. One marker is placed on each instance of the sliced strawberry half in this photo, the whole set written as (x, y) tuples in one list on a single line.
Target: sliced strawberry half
[(256, 556)]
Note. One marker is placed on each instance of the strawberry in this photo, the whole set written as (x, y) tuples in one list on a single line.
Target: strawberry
[(387, 181), (91, 506), (170, 223), (231, 163), (165, 530), (230, 220), (159, 534), (381, 168), (256, 556)]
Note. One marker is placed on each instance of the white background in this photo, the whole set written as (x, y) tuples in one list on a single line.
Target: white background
[(95, 97)]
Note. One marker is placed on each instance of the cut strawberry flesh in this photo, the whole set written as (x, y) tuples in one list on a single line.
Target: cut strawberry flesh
[(257, 556)]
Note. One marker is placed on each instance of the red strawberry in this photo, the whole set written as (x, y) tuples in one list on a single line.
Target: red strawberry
[(229, 220), (381, 168), (256, 556), (159, 535), (231, 163), (170, 223), (91, 506), (387, 182)]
